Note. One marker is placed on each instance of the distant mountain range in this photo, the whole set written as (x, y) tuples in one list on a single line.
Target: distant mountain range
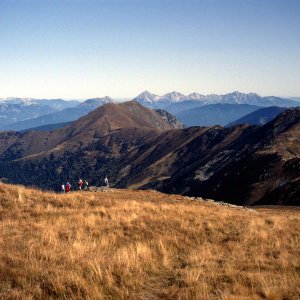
[(193, 110), (140, 148), (260, 116), (295, 99), (205, 110), (214, 114), (14, 110), (68, 114), (11, 113), (177, 99), (200, 110), (95, 102), (57, 104)]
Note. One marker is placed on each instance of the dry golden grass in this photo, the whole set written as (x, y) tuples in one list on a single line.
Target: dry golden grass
[(123, 244)]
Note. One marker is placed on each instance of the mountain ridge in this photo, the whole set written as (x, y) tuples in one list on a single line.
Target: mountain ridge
[(61, 111), (138, 148), (66, 115), (260, 116), (214, 114), (155, 101), (99, 122)]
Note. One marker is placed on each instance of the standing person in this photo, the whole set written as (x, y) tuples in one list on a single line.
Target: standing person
[(63, 188), (106, 181), (68, 187), (86, 184), (80, 182)]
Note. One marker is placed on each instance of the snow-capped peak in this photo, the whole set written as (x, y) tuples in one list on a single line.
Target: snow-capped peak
[(96, 102), (21, 101), (174, 97), (241, 98), (147, 97), (195, 97)]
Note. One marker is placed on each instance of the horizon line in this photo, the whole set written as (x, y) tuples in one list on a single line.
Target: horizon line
[(120, 98)]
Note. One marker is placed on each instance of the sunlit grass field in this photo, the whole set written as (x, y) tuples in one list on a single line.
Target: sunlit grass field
[(124, 244)]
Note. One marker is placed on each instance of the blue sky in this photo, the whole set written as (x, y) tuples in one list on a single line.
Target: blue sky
[(87, 48)]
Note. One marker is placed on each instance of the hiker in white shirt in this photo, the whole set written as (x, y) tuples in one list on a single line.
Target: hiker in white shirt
[(106, 181)]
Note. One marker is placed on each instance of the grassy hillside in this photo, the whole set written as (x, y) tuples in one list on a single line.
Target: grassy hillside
[(122, 244)]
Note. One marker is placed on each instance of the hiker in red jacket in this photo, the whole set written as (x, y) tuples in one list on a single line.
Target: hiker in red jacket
[(68, 187)]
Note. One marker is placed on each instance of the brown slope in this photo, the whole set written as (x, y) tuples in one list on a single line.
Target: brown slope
[(285, 130), (7, 138), (269, 172), (15, 145), (243, 164), (112, 117), (85, 131), (176, 152), (280, 180)]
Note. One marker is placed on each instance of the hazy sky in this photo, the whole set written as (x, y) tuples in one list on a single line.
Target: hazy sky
[(83, 49)]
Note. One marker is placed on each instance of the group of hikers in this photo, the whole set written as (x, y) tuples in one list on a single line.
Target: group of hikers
[(81, 185)]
